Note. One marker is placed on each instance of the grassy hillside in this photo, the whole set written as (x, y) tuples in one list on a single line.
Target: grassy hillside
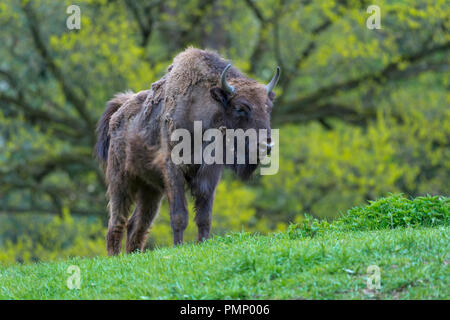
[(313, 260)]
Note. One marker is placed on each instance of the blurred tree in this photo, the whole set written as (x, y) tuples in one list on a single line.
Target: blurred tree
[(336, 73)]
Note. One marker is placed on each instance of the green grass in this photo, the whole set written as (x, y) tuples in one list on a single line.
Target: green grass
[(315, 260)]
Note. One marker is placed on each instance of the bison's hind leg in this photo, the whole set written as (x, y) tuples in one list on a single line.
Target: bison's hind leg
[(147, 206), (120, 199)]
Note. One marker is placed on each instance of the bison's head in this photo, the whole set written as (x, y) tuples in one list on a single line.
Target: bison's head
[(246, 104)]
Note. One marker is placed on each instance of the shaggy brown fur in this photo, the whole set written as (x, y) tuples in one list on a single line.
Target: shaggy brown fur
[(134, 144)]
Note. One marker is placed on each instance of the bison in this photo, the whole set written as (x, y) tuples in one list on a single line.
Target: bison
[(134, 145)]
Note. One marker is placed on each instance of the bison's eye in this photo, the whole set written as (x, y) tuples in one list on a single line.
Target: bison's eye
[(241, 110)]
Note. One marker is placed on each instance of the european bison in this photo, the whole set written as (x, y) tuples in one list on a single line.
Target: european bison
[(134, 145)]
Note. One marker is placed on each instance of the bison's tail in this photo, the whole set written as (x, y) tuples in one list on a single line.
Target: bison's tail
[(102, 146)]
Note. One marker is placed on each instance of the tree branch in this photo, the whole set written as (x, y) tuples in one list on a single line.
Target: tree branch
[(75, 211), (32, 113), (289, 74), (260, 46), (256, 11), (326, 110), (70, 94), (145, 21), (376, 76)]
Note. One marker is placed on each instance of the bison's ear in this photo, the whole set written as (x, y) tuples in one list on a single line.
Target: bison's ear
[(220, 96), (272, 96)]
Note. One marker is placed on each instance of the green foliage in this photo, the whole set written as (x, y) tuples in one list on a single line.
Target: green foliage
[(397, 211), (325, 172), (27, 238), (309, 227), (362, 113), (391, 212), (413, 265)]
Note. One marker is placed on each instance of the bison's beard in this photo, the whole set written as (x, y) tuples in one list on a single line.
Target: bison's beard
[(244, 171)]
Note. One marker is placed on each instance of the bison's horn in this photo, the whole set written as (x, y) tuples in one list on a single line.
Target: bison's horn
[(274, 81), (223, 80)]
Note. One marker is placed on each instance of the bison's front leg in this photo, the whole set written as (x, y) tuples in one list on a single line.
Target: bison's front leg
[(174, 182), (203, 217), (203, 189)]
